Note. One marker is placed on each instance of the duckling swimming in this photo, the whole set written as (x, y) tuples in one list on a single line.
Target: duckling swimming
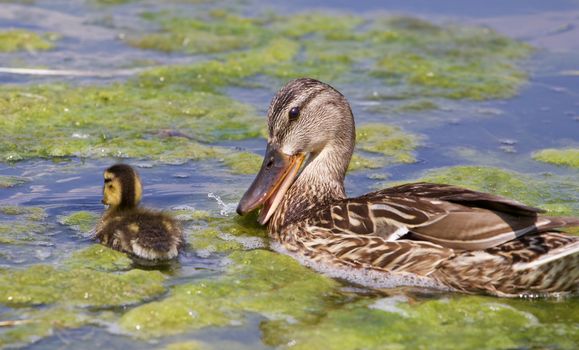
[(444, 235), (128, 228)]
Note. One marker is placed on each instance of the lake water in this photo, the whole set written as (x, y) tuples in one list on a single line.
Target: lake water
[(228, 290)]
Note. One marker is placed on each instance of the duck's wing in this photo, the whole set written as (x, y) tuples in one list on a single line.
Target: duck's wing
[(418, 257), (459, 195), (450, 216)]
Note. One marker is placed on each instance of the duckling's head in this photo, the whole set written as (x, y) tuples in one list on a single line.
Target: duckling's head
[(311, 138), (122, 187)]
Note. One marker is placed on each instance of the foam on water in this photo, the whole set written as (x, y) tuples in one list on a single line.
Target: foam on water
[(533, 320), (365, 277), (390, 304), (247, 242)]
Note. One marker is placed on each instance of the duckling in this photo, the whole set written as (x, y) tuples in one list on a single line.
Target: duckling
[(126, 227)]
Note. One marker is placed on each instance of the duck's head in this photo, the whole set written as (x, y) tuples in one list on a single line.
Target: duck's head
[(311, 138), (122, 187)]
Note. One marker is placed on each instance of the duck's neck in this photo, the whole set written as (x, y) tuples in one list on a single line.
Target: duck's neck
[(320, 183)]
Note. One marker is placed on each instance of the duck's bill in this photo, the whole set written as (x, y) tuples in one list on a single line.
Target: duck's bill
[(276, 175)]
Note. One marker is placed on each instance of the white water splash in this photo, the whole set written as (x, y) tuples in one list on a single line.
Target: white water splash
[(226, 208)]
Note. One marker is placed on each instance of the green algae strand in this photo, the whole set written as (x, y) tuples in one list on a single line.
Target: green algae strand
[(83, 221), (43, 284), (99, 257), (256, 281), (388, 140), (566, 157), (22, 40)]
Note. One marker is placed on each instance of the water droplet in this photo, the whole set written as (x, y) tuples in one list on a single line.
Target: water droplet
[(226, 209)]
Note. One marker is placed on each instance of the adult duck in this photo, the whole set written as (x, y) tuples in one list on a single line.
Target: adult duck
[(419, 233)]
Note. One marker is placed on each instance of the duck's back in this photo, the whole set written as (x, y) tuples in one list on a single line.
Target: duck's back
[(147, 234)]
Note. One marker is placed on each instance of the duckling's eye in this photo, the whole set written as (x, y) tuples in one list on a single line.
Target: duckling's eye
[(294, 113)]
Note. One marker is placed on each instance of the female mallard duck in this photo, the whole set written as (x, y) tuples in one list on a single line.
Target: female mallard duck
[(128, 228), (441, 235)]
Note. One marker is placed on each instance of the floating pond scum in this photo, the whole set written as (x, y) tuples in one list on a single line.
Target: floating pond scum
[(179, 89)]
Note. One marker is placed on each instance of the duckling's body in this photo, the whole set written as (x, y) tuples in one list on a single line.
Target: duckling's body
[(453, 237), (126, 227)]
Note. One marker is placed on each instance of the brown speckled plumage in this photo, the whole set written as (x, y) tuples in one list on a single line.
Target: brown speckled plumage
[(466, 240), (126, 227)]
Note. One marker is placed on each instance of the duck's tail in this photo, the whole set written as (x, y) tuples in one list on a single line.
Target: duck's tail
[(552, 255), (535, 264), (547, 223)]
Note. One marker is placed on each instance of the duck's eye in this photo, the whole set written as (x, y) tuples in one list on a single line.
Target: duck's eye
[(294, 113)]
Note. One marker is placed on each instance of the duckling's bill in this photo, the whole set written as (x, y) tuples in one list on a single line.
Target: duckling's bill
[(278, 171)]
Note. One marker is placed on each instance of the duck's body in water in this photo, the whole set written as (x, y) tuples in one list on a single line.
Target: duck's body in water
[(465, 240), (126, 227)]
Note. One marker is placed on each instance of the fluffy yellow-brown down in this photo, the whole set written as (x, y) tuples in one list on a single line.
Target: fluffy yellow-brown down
[(126, 227)]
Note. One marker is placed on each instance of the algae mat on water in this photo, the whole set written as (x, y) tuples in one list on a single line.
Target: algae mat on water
[(414, 57), (119, 121), (175, 113), (22, 40), (298, 307), (567, 157)]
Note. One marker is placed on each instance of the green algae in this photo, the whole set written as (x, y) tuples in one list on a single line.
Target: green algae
[(219, 32), (317, 54), (360, 162), (43, 284), (417, 106), (388, 140), (557, 195), (22, 40), (29, 213), (57, 121), (21, 232), (22, 225), (448, 61), (138, 119), (243, 162), (208, 240), (231, 69), (422, 59), (99, 257), (37, 324), (392, 323), (188, 345), (83, 221), (212, 234), (567, 157), (333, 27), (256, 281), (11, 181)]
